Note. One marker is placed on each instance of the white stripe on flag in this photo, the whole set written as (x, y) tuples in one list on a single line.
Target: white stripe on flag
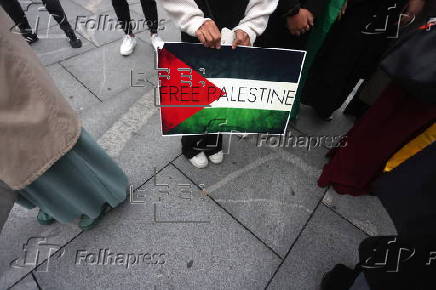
[(254, 94)]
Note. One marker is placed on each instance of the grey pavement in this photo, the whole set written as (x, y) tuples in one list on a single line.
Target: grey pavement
[(257, 221)]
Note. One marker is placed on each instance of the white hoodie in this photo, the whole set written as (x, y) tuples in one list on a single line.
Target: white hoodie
[(189, 17)]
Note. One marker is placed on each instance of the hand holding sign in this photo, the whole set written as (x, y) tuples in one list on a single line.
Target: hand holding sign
[(241, 38), (209, 34)]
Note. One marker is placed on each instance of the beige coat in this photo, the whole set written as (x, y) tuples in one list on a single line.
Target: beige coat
[(37, 125)]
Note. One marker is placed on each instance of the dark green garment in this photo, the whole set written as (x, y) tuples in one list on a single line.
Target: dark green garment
[(314, 44), (79, 183)]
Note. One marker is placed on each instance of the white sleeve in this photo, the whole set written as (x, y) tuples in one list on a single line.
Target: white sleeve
[(256, 17), (185, 14)]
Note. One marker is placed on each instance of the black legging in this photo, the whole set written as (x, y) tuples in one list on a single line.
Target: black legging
[(208, 143), (13, 8), (149, 8)]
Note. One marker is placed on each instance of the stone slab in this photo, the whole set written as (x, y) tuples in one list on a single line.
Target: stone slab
[(326, 241), (100, 117), (28, 283), (22, 238), (107, 73), (365, 212), (77, 95), (53, 46), (270, 190), (219, 254)]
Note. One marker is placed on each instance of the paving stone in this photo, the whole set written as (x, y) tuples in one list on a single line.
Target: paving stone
[(271, 191), (100, 117), (101, 28), (240, 152), (148, 151), (312, 149), (144, 148), (77, 95), (27, 283), (40, 19), (219, 254), (53, 46), (365, 212), (22, 238), (310, 124), (326, 241), (107, 73)]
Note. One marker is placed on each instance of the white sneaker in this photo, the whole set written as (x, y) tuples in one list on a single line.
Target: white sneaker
[(128, 45), (156, 41), (199, 160), (217, 158)]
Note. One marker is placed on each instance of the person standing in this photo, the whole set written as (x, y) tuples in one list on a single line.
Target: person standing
[(202, 21), (54, 8), (302, 25), (121, 8), (46, 159), (291, 22)]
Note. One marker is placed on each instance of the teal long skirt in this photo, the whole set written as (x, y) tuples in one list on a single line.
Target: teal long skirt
[(79, 183)]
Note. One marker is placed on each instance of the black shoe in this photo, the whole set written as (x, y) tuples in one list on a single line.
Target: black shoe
[(339, 278), (75, 43), (324, 116), (73, 40), (30, 37)]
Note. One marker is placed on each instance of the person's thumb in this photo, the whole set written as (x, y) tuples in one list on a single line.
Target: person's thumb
[(236, 41)]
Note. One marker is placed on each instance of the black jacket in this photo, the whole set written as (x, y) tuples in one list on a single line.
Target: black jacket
[(314, 6), (225, 13), (277, 33)]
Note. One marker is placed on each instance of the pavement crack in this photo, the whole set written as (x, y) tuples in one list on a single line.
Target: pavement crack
[(231, 215), (295, 241), (46, 260), (36, 281), (346, 220), (80, 82)]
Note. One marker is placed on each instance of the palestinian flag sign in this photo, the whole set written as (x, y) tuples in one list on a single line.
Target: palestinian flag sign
[(249, 90)]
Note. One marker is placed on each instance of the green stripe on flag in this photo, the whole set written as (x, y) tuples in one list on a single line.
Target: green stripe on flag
[(314, 43), (237, 119)]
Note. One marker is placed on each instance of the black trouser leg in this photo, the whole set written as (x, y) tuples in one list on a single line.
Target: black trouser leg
[(189, 145), (150, 12), (214, 143), (14, 10), (121, 8), (208, 143), (55, 9)]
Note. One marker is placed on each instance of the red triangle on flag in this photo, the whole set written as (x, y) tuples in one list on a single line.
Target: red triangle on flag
[(176, 91)]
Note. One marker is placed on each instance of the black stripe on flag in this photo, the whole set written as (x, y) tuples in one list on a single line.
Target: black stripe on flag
[(277, 65)]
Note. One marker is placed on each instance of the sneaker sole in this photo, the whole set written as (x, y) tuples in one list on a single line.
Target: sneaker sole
[(128, 52)]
